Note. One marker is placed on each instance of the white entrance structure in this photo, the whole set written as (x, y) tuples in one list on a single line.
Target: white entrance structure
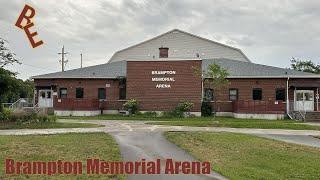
[(304, 100), (45, 98)]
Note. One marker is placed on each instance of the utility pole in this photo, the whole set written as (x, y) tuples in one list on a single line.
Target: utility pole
[(63, 61), (81, 59)]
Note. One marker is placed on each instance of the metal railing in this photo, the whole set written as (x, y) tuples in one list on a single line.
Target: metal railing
[(21, 103)]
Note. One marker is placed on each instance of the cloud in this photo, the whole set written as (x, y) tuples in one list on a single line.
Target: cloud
[(269, 32)]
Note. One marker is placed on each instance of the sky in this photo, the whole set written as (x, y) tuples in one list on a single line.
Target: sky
[(268, 32)]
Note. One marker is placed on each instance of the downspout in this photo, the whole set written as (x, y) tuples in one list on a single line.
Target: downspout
[(201, 88), (317, 98), (287, 99)]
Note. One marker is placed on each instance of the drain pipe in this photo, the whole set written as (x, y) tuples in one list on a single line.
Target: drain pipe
[(287, 99)]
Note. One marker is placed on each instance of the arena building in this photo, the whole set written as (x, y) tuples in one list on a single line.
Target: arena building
[(159, 73)]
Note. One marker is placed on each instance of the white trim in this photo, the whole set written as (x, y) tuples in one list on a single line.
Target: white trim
[(225, 114), (229, 77), (110, 112), (165, 60), (76, 113), (252, 77), (73, 77), (258, 116)]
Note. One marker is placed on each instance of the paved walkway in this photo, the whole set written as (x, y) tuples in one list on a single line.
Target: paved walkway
[(151, 145)]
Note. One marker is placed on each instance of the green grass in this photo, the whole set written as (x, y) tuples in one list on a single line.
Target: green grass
[(65, 147), (208, 122), (240, 156), (239, 123), (47, 125), (110, 117)]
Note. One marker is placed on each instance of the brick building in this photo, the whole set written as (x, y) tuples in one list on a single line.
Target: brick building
[(159, 73)]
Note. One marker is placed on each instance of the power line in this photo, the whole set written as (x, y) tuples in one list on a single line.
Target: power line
[(37, 67)]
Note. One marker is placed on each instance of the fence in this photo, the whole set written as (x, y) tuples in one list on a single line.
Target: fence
[(251, 106)]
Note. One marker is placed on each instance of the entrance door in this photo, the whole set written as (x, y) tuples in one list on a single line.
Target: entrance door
[(45, 98), (304, 100)]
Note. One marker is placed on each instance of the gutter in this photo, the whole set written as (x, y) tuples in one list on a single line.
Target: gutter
[(284, 77)]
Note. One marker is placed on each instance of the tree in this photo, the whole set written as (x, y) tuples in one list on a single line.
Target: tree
[(6, 56), (216, 78), (305, 66), (11, 88)]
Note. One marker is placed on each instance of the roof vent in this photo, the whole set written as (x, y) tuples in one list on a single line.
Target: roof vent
[(163, 52)]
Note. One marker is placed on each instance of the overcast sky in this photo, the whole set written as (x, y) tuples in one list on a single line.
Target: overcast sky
[(268, 32)]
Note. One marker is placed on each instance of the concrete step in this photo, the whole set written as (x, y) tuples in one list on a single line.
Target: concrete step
[(312, 117)]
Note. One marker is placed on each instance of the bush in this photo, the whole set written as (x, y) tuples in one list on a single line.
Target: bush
[(5, 115), (24, 117), (1, 108), (184, 106), (149, 114), (180, 110), (131, 106), (206, 109)]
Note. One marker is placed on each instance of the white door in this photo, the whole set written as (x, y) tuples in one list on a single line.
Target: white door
[(304, 100), (45, 98)]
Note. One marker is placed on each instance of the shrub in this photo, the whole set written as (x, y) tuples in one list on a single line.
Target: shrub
[(131, 106), (184, 106), (180, 110), (149, 114), (206, 109), (6, 115), (25, 117), (1, 108)]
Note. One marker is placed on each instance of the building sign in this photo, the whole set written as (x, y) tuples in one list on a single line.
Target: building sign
[(162, 78)]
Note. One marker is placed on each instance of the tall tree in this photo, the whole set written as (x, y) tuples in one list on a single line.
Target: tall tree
[(11, 88), (305, 66), (216, 78), (6, 55)]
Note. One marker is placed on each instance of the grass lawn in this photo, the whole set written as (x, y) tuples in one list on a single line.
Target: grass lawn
[(239, 123), (208, 122), (240, 156), (47, 125), (111, 117), (65, 147)]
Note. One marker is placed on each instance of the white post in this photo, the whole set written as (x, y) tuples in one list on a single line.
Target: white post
[(288, 106), (317, 98), (201, 88)]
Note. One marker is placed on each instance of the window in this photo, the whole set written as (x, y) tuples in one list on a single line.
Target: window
[(79, 92), (122, 88), (280, 94), (49, 94), (308, 96), (43, 94), (208, 94), (233, 94), (102, 93), (63, 93), (163, 52), (257, 94), (299, 96)]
